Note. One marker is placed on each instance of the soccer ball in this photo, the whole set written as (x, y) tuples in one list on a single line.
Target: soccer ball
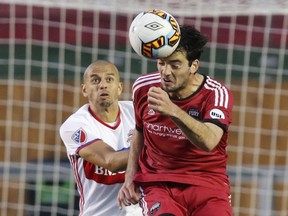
[(154, 34)]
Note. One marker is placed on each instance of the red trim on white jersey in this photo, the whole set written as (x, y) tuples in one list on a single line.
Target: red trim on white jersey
[(74, 164), (104, 123)]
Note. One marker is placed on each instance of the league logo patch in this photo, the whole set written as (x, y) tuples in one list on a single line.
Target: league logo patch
[(79, 136), (217, 114)]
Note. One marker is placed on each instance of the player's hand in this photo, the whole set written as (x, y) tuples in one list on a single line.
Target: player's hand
[(128, 194), (159, 101)]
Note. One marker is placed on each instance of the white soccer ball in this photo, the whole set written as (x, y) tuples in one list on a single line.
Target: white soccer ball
[(154, 34)]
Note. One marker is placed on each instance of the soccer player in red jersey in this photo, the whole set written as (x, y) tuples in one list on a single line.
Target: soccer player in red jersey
[(177, 161)]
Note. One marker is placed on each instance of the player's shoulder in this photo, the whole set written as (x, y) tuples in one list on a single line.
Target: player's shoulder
[(81, 112), (126, 107), (79, 115), (212, 84), (218, 92), (146, 80), (125, 104)]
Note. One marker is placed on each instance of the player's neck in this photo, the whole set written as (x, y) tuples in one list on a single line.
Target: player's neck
[(106, 114), (197, 81), (192, 86)]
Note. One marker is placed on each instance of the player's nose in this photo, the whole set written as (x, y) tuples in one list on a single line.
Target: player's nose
[(166, 70), (103, 84)]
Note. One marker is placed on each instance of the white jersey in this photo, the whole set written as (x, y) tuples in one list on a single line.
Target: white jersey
[(98, 187)]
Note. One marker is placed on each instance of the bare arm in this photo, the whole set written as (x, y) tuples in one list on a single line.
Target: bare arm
[(135, 150), (204, 135), (129, 193), (103, 155)]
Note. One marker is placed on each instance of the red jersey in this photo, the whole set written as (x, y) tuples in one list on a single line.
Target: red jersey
[(167, 154)]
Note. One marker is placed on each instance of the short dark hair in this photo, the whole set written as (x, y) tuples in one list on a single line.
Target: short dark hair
[(192, 42)]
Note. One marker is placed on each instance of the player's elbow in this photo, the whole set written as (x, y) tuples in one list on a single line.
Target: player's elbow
[(111, 166), (113, 169), (209, 148), (117, 164), (206, 148), (207, 145), (211, 139)]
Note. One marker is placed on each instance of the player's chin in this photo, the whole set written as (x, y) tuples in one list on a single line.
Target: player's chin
[(168, 88), (105, 103)]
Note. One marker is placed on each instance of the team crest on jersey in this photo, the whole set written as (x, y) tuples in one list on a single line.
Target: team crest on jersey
[(194, 113), (217, 114), (79, 136)]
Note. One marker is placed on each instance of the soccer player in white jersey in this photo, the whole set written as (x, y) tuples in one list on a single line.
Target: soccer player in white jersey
[(97, 139)]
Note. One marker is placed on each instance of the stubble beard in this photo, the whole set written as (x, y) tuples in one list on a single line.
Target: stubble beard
[(105, 104), (169, 89)]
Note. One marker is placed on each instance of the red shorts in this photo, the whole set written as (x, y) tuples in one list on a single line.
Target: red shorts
[(168, 199)]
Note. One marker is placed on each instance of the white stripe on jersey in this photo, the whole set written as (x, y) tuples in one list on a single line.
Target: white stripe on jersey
[(143, 77), (145, 80), (221, 93)]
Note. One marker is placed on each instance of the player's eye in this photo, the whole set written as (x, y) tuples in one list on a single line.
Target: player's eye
[(110, 79), (175, 66), (161, 63), (95, 80)]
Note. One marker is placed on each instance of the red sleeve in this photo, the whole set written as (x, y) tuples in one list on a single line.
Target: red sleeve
[(219, 106)]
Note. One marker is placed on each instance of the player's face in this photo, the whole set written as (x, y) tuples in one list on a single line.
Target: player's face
[(175, 74), (102, 86)]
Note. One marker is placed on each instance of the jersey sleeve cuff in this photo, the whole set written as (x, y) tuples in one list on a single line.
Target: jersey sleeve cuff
[(218, 123)]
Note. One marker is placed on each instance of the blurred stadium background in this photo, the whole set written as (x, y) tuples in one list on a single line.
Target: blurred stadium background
[(46, 45)]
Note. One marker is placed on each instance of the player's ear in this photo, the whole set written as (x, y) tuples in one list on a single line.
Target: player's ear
[(194, 66), (120, 88), (84, 90)]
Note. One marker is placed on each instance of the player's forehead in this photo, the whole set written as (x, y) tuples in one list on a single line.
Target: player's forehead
[(101, 70), (175, 57)]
